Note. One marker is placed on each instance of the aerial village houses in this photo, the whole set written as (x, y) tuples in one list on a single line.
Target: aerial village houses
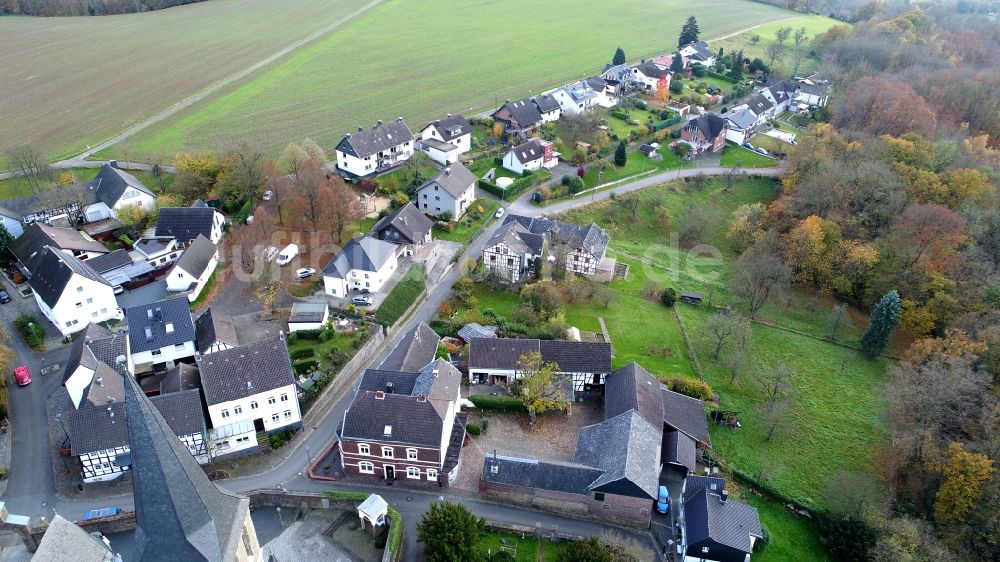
[(363, 263), (187, 223), (705, 133), (194, 268), (494, 360), (513, 250), (518, 117), (28, 248), (450, 191), (159, 335), (531, 156), (445, 140), (548, 107), (716, 528), (648, 74), (583, 246), (160, 252), (698, 52), (70, 293), (215, 331), (375, 150), (405, 227)]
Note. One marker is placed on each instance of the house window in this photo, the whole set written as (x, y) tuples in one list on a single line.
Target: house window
[(79, 289), (423, 196), (411, 454), (253, 405), (598, 496), (387, 452), (275, 418), (157, 353), (224, 413), (288, 414), (90, 301), (238, 410), (79, 305), (93, 315), (364, 449), (365, 467), (284, 398), (432, 474), (271, 400), (413, 472), (241, 440), (104, 310)]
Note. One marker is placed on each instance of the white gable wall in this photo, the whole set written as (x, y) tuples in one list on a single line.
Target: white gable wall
[(83, 301)]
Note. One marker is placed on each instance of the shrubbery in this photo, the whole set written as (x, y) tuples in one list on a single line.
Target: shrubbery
[(31, 330), (504, 404), (472, 429), (668, 297), (691, 387), (404, 294), (303, 367), (302, 353)]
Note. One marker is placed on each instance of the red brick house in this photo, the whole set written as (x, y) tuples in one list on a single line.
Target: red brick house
[(405, 426), (705, 133)]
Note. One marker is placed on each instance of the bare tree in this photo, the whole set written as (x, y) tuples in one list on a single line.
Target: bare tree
[(249, 239), (800, 37), (338, 208), (723, 327), (778, 390), (838, 318), (773, 52), (307, 193), (267, 285), (630, 204), (30, 163), (761, 275), (782, 35), (736, 363), (314, 151), (293, 158)]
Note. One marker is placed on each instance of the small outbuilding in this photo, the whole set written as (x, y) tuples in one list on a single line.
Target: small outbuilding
[(374, 510), (691, 297), (308, 316)]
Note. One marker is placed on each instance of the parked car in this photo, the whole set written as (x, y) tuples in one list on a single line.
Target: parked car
[(118, 289), (4, 296), (748, 145), (761, 151), (287, 254), (22, 376), (361, 300), (365, 291), (268, 195), (100, 513), (663, 500), (499, 213), (305, 272)]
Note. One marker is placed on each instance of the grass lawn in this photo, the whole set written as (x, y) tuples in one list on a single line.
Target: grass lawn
[(467, 227), (733, 155), (527, 549), (291, 99), (637, 163), (726, 85), (19, 187), (792, 537), (787, 127), (344, 343), (814, 25)]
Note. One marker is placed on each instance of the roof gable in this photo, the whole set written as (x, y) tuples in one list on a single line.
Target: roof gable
[(414, 351), (159, 324), (382, 136), (455, 179), (111, 183), (239, 372), (408, 221), (451, 127), (54, 270), (197, 256), (185, 223), (627, 448), (363, 253)]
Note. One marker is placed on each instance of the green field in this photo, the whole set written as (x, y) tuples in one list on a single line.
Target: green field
[(467, 227), (737, 156), (421, 59), (813, 24), (69, 82), (19, 187), (523, 550)]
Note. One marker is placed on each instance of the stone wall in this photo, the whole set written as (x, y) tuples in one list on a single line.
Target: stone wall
[(626, 510)]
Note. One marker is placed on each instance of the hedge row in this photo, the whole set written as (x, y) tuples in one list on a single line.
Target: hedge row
[(244, 212), (404, 294), (660, 125), (505, 404), (715, 74), (519, 185), (307, 334), (302, 353), (303, 367)]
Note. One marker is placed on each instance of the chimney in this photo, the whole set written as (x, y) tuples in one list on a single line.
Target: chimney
[(113, 163), (404, 220), (388, 388), (379, 395), (723, 496), (249, 385), (100, 381), (421, 398), (447, 171)]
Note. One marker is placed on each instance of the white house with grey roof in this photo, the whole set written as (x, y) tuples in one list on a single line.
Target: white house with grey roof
[(444, 140), (187, 223), (548, 107), (450, 191), (28, 248), (698, 52), (215, 331), (70, 293), (194, 268), (159, 334), (250, 392), (494, 360), (406, 227), (531, 156), (363, 263), (115, 189), (715, 527), (308, 316), (375, 150)]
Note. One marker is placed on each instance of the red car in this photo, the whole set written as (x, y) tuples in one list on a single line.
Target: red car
[(22, 375)]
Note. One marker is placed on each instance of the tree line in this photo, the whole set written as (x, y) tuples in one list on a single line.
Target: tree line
[(85, 7)]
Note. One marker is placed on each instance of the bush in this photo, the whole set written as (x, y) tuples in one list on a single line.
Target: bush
[(306, 334), (691, 387), (244, 212), (404, 294), (620, 114), (668, 297), (699, 70), (676, 86), (575, 184), (504, 404), (641, 104), (31, 330), (484, 425), (292, 338), (303, 367), (675, 134), (302, 353), (472, 429)]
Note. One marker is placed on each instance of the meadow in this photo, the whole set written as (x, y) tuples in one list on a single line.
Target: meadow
[(813, 24), (69, 82), (420, 59)]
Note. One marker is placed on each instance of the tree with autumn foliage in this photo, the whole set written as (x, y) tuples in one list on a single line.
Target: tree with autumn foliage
[(964, 475), (539, 386), (662, 93), (879, 105)]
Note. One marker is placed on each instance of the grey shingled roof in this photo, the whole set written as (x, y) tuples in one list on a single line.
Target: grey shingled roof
[(182, 410), (66, 542), (685, 414), (308, 312), (185, 223), (214, 326), (693, 483), (80, 353), (742, 117), (633, 388), (180, 514), (522, 112), (53, 270), (111, 182), (196, 257), (29, 245), (681, 450), (730, 523), (546, 103), (47, 200), (710, 124), (451, 127), (99, 422), (591, 238), (394, 382), (566, 477), (528, 151), (367, 142), (408, 221), (627, 448), (758, 104), (476, 330), (650, 70), (110, 261), (701, 49), (454, 179), (182, 377), (156, 317), (571, 356), (517, 238), (246, 370), (364, 253), (414, 351)]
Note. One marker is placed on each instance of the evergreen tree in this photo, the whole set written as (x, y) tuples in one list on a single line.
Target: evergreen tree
[(450, 533), (5, 239), (736, 72), (621, 154), (677, 63), (884, 319), (619, 57), (689, 32)]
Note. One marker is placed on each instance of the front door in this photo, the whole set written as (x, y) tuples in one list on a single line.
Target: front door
[(258, 424), (390, 472)]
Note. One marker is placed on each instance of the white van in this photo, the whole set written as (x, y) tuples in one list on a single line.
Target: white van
[(287, 254)]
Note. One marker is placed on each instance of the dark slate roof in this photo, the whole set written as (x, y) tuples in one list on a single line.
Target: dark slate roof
[(111, 183), (518, 239), (408, 221), (570, 478), (214, 326), (107, 350), (246, 370), (394, 382), (29, 245), (64, 541), (148, 323), (416, 418), (414, 351), (571, 356), (650, 70), (46, 200), (730, 523), (54, 270), (476, 330), (80, 353), (597, 83), (182, 410), (451, 127), (196, 257), (693, 483), (523, 112), (99, 422), (185, 223), (743, 117), (454, 179), (627, 448), (110, 261), (681, 450), (591, 237), (546, 103), (701, 49), (685, 414), (180, 514), (710, 124), (308, 312), (758, 104), (633, 388), (367, 142), (364, 253), (182, 377), (528, 151)]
